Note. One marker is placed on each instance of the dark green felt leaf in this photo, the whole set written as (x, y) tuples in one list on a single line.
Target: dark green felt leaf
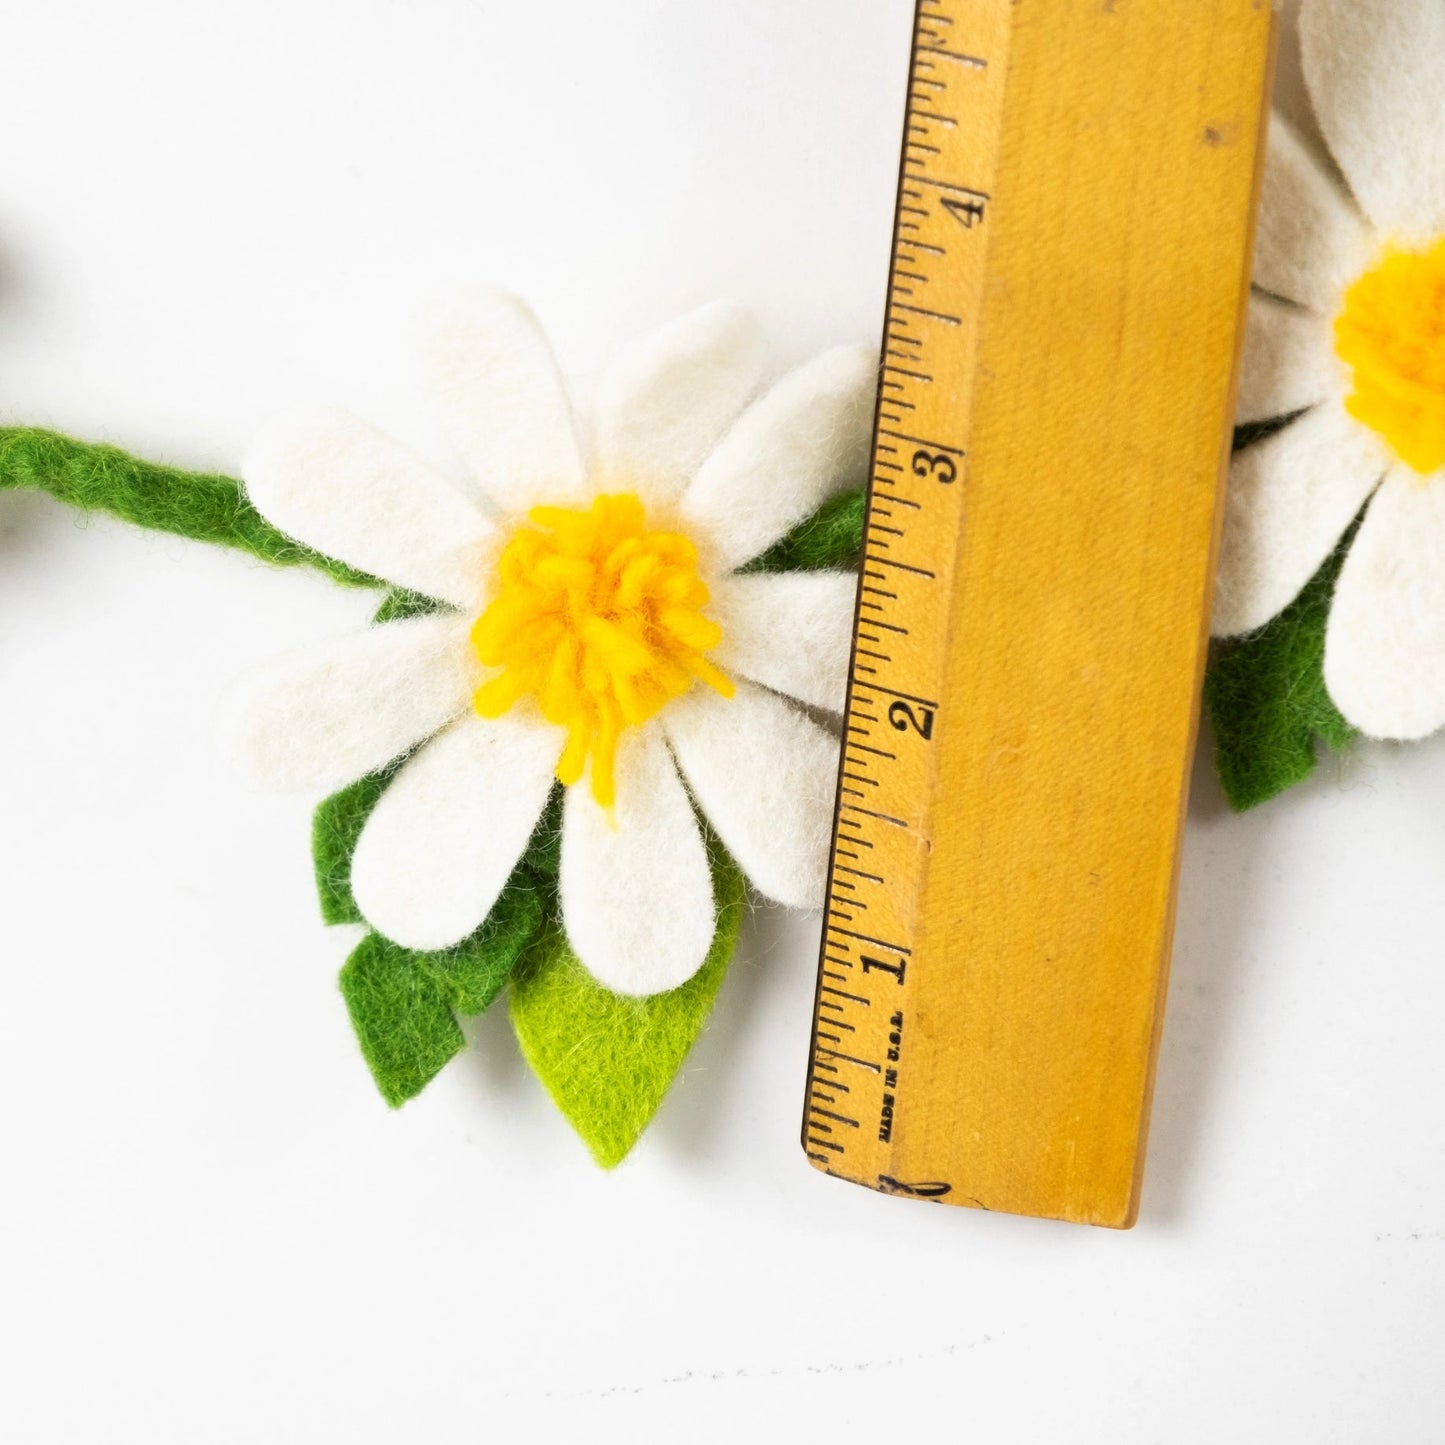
[(199, 505), (473, 973), (335, 827), (831, 537), (606, 1060), (402, 1003), (1267, 700), (402, 1018)]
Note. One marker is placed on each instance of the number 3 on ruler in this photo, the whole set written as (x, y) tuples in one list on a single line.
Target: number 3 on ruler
[(940, 467), (903, 716)]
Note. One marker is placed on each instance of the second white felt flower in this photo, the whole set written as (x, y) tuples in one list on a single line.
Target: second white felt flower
[(1346, 339), (596, 630)]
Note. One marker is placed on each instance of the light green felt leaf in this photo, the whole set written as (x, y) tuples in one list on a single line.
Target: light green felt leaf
[(199, 505), (1267, 701), (606, 1060), (831, 537)]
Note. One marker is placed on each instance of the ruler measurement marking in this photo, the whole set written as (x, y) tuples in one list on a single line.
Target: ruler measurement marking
[(881, 943), (919, 179), (973, 62), (902, 567), (849, 1059), (905, 696)]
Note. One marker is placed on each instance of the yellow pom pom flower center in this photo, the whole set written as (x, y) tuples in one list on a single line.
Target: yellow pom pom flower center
[(600, 618), (1392, 333)]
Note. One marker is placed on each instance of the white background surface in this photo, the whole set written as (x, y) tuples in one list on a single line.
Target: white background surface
[(210, 1228)]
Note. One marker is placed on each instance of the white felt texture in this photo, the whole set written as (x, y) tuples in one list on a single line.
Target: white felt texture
[(636, 889), (667, 400), (792, 449), (443, 840), (1376, 73), (1385, 647), (325, 715), (1311, 242), (1291, 499), (1289, 361), (790, 631), (341, 486), (504, 401), (765, 775)]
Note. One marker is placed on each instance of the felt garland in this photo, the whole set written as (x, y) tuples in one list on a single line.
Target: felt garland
[(604, 1007), (1265, 692), (606, 1059)]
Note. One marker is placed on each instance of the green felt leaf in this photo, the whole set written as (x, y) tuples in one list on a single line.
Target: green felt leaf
[(199, 505), (402, 1003), (606, 1060), (402, 1018), (473, 973), (1267, 701), (335, 827), (399, 604), (831, 537)]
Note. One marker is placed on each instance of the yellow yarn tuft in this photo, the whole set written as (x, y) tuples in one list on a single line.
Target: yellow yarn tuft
[(1392, 333), (601, 620)]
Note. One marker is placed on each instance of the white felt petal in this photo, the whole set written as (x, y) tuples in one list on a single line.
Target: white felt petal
[(506, 407), (1385, 648), (327, 715), (766, 777), (1376, 73), (1291, 499), (343, 487), (790, 631), (636, 889), (793, 448), (666, 401), (1311, 242), (443, 840), (1289, 361)]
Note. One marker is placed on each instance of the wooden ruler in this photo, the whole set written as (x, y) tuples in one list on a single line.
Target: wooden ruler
[(1069, 273)]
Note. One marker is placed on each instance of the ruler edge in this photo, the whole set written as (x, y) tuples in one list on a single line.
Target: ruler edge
[(1164, 965), (914, 47)]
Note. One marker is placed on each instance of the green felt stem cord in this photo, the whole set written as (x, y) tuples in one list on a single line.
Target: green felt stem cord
[(606, 1060), (1267, 701), (203, 506)]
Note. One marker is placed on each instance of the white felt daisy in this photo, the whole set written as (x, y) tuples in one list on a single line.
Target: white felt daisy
[(597, 631), (1350, 334)]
